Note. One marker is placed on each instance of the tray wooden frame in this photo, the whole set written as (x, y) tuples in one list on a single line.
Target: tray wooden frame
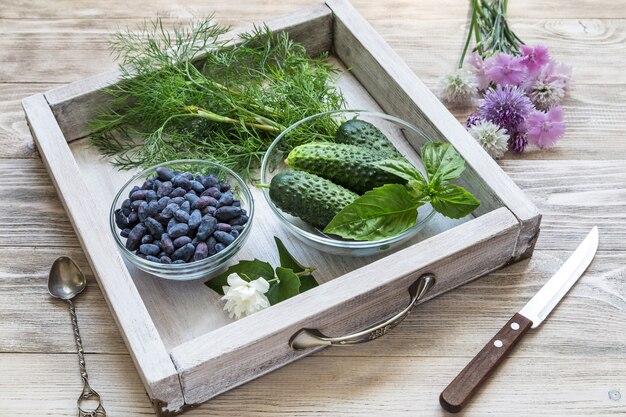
[(504, 230)]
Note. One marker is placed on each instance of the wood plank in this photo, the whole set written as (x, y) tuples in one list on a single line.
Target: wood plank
[(562, 372), (118, 9), (35, 384), (392, 10), (593, 114), (246, 349), (574, 196), (570, 40), (74, 105), (363, 387), (588, 322), (565, 221), (31, 322), (154, 364), (14, 135), (399, 92), (33, 216)]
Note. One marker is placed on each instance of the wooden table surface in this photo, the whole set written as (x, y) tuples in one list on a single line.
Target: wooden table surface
[(574, 365)]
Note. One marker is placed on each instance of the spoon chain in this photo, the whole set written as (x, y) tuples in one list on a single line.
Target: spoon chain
[(88, 392)]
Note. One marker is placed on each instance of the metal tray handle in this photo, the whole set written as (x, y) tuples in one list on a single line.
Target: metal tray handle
[(308, 338)]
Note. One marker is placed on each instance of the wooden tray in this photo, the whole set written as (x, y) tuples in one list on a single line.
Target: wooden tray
[(185, 348)]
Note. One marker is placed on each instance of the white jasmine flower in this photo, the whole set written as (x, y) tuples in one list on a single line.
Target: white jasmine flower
[(244, 298), (458, 87), (491, 137)]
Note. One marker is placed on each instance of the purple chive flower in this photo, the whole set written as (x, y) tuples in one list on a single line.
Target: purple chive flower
[(518, 142), (507, 107), (534, 58), (505, 69), (473, 119), (480, 66), (545, 129)]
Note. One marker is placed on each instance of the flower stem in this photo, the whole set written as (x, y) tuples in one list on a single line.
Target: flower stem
[(307, 271), (491, 31), (469, 37)]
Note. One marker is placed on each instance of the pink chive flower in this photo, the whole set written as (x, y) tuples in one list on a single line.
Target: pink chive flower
[(534, 58), (505, 69), (480, 66), (555, 71), (545, 129)]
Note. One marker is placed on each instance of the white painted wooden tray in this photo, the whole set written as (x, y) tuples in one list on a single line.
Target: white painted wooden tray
[(184, 346)]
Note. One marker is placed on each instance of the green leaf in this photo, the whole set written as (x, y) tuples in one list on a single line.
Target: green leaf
[(442, 162), (286, 259), (287, 286), (380, 213), (249, 270), (419, 190), (453, 201), (307, 282), (401, 168)]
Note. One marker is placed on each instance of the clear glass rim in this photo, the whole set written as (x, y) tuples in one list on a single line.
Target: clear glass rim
[(209, 261), (348, 244)]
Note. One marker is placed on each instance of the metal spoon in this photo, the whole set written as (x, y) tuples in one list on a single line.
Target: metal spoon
[(66, 281)]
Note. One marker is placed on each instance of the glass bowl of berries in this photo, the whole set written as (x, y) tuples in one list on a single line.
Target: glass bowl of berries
[(183, 219)]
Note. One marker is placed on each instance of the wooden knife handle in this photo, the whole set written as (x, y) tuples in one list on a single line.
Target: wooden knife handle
[(461, 389)]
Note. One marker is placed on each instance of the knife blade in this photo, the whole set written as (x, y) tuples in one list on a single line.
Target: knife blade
[(458, 393)]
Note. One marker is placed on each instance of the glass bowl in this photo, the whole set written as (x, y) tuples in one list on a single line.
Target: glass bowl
[(197, 269), (321, 127)]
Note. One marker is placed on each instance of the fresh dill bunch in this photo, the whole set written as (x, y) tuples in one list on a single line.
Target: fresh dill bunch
[(188, 93)]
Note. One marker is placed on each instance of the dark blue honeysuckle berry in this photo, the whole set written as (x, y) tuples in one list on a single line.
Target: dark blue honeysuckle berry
[(177, 217)]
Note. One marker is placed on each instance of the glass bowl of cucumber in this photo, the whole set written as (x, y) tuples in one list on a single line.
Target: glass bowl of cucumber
[(316, 168)]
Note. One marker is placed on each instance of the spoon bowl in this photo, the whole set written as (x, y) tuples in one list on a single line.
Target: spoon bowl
[(65, 280)]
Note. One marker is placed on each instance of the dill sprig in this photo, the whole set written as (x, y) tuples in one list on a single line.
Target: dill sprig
[(188, 93)]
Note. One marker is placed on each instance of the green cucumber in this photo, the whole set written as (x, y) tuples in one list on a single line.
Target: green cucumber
[(362, 133), (309, 197), (350, 166)]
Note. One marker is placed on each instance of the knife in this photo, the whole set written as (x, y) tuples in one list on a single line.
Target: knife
[(457, 394)]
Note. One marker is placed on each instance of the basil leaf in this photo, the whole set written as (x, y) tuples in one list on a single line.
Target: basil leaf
[(287, 286), (442, 162), (251, 269), (419, 190), (453, 201), (380, 213), (286, 259), (401, 168)]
